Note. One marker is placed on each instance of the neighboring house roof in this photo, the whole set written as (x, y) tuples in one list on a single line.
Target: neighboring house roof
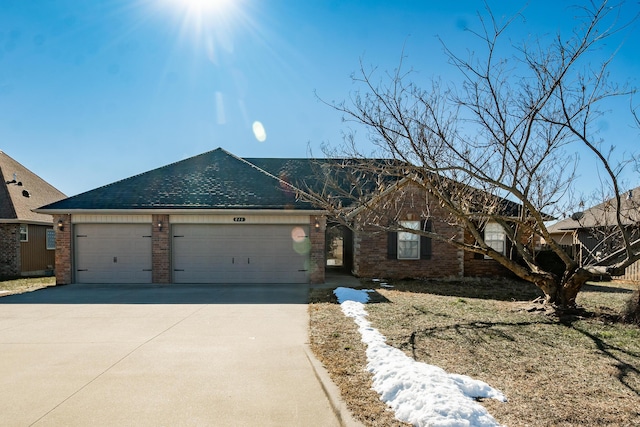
[(213, 180), (21, 191), (603, 214)]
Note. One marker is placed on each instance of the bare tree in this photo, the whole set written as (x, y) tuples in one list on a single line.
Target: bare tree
[(499, 147)]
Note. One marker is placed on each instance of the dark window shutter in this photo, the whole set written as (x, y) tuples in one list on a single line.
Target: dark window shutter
[(425, 242), (475, 254), (392, 245)]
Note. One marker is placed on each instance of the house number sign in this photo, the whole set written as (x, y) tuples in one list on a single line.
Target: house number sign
[(239, 219)]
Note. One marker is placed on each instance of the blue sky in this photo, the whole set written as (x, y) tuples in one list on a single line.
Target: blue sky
[(99, 90)]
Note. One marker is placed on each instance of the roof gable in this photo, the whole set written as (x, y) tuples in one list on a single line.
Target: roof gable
[(603, 214), (21, 191), (219, 180), (213, 180)]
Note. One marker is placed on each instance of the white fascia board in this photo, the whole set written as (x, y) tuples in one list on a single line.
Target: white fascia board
[(181, 212), (30, 222)]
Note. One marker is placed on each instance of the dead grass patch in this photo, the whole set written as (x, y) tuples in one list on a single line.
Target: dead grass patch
[(563, 372), (27, 284)]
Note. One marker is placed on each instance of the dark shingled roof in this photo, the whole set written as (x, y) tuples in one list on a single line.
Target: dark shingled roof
[(219, 180), (213, 180), (27, 191)]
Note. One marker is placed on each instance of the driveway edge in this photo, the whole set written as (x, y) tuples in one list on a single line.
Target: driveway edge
[(331, 391)]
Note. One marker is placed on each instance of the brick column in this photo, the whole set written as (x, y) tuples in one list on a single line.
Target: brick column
[(63, 266), (160, 255), (317, 256), (9, 250)]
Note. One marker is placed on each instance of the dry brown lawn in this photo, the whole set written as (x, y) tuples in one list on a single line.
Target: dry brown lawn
[(18, 286), (576, 371)]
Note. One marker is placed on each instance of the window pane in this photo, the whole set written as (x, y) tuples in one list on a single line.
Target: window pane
[(494, 237), (408, 250), (409, 243), (405, 236), (497, 245), (51, 239)]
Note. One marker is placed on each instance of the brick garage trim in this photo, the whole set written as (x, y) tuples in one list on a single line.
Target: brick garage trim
[(161, 249), (64, 249), (317, 256)]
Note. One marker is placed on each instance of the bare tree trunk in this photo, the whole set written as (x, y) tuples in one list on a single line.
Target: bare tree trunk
[(560, 294)]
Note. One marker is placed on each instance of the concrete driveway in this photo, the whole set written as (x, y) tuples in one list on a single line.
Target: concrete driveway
[(159, 355)]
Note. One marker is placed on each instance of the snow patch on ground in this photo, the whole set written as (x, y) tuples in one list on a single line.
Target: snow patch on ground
[(420, 394), (349, 294)]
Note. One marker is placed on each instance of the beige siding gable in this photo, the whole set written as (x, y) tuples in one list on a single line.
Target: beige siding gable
[(239, 219), (110, 219)]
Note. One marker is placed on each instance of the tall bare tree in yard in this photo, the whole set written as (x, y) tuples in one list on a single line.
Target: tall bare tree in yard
[(508, 132)]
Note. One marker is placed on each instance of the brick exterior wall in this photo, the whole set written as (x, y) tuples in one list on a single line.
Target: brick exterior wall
[(480, 267), (160, 249), (317, 256), (64, 249), (477, 266), (370, 244), (9, 250)]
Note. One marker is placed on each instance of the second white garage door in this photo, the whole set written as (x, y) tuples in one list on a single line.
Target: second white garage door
[(244, 253)]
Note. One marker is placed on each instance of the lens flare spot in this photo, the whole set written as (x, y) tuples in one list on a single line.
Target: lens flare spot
[(220, 116), (301, 242), (259, 132), (298, 234), (302, 247)]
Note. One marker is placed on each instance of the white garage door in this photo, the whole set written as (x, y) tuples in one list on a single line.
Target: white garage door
[(243, 253), (113, 253)]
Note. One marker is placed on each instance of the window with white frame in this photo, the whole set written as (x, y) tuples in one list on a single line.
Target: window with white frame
[(51, 239), (409, 243), (495, 237), (24, 233)]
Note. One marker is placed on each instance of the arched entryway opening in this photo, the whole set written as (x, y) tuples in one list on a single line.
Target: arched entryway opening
[(339, 248)]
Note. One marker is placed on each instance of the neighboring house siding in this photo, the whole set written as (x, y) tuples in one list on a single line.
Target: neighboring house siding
[(9, 250), (34, 256), (631, 274)]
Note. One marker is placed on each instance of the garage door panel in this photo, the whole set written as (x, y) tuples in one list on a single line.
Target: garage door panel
[(239, 254), (113, 253)]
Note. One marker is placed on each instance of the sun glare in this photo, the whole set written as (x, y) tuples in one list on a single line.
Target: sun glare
[(205, 6), (208, 23)]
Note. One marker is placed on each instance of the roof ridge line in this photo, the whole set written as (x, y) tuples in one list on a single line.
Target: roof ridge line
[(288, 184), (29, 171)]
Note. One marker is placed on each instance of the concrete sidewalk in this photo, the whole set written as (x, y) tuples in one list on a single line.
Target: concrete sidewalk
[(159, 355)]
